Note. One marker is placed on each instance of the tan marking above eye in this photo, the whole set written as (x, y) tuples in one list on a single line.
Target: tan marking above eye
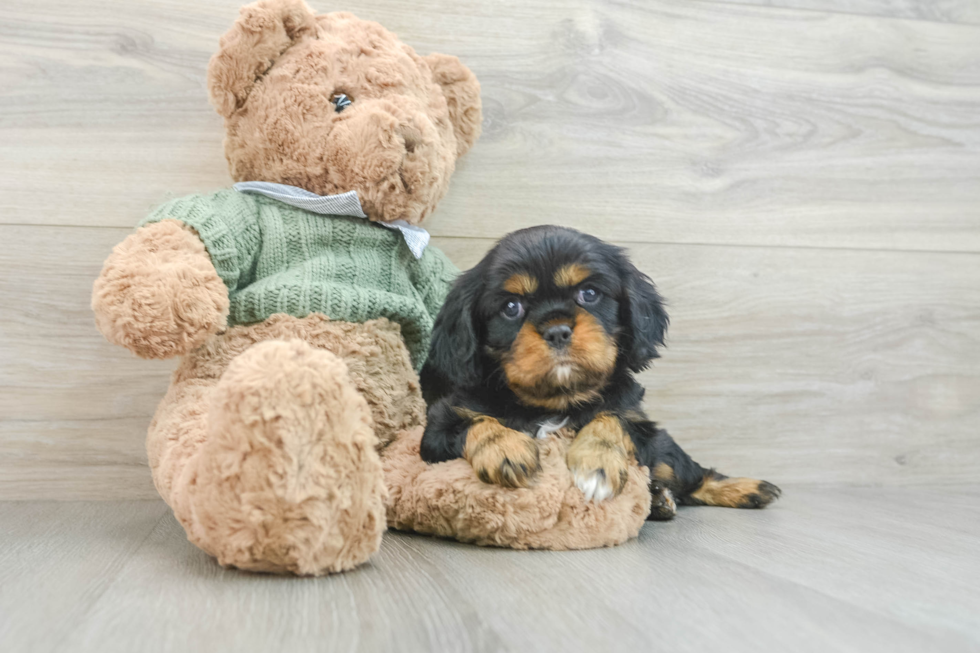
[(571, 275), (663, 472), (521, 284)]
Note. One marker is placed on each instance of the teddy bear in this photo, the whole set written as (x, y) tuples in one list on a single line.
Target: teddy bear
[(266, 443), (301, 302)]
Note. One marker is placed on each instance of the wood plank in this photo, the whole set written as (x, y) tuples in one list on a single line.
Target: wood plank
[(809, 365), (57, 559), (876, 542), (966, 12), (702, 600), (825, 569), (858, 367), (693, 122), (395, 603), (73, 408), (124, 474)]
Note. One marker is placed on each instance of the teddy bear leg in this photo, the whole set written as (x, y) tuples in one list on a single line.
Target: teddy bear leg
[(288, 479)]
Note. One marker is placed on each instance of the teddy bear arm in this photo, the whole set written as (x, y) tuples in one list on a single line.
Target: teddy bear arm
[(159, 294)]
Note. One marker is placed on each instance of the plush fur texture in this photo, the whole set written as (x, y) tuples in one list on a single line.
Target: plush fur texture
[(159, 294), (449, 500), (274, 79), (265, 445)]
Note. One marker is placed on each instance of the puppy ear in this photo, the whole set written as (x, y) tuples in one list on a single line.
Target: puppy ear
[(644, 317), (263, 31), (454, 360), (462, 91)]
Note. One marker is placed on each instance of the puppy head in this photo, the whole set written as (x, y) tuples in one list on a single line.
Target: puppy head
[(550, 311)]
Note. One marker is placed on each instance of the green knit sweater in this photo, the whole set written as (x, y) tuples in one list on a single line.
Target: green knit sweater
[(276, 258)]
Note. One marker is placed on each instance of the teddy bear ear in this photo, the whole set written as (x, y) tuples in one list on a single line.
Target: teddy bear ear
[(263, 31), (462, 91)]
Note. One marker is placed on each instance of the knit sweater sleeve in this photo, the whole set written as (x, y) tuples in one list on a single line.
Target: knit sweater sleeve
[(432, 276), (227, 223), (436, 281)]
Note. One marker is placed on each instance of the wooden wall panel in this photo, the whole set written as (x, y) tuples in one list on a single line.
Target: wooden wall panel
[(966, 12), (800, 179), (805, 365), (658, 121)]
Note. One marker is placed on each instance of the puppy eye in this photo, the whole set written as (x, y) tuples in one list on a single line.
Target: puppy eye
[(513, 310), (341, 102), (587, 296)]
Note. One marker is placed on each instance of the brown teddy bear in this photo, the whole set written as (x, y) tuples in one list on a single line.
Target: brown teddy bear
[(266, 445)]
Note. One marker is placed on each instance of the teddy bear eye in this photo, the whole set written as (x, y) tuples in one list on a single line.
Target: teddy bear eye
[(341, 101)]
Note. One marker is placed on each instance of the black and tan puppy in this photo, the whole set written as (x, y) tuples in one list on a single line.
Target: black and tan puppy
[(546, 332)]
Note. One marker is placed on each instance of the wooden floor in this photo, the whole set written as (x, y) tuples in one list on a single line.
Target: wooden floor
[(823, 570)]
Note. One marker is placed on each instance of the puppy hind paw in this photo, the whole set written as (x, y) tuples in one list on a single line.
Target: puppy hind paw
[(765, 494), (734, 493), (662, 504)]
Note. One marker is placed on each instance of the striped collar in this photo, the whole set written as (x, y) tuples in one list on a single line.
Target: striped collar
[(348, 204)]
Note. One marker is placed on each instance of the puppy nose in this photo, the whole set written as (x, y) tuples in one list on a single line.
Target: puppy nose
[(558, 336)]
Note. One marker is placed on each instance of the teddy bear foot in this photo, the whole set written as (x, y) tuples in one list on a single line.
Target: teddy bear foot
[(289, 479)]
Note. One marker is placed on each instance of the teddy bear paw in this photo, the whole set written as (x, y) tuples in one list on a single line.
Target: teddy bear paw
[(289, 479), (159, 294)]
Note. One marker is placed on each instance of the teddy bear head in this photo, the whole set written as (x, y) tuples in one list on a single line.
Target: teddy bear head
[(331, 103)]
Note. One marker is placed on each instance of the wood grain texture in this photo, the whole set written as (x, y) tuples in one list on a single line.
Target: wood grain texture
[(802, 184), (810, 365), (943, 11), (694, 122), (823, 570), (74, 409), (57, 559), (879, 539)]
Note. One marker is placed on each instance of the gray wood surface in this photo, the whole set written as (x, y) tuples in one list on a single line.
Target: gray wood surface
[(642, 121), (809, 365), (943, 11), (823, 570), (801, 177)]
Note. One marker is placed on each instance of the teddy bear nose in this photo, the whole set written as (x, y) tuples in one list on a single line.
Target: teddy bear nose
[(341, 101)]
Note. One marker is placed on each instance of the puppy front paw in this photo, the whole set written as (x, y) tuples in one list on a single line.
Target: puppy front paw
[(599, 459), (501, 455), (599, 475)]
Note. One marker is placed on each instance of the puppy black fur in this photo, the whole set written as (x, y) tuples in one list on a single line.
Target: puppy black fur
[(551, 325)]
